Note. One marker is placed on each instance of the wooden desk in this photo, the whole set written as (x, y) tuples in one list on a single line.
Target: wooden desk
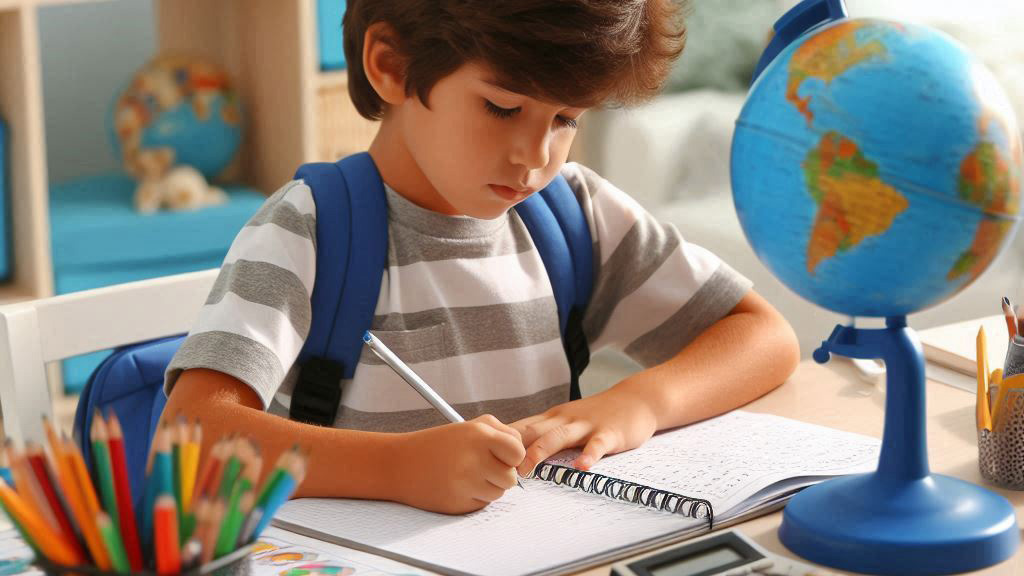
[(834, 395)]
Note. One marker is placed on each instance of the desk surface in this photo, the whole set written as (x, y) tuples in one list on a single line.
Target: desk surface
[(834, 395)]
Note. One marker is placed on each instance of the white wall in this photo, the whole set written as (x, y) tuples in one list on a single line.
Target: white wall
[(89, 50)]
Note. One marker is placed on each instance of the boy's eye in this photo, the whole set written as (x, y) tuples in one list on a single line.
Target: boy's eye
[(565, 121), (500, 112)]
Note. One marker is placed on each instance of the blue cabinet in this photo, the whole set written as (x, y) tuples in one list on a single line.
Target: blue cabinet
[(328, 17), (98, 239)]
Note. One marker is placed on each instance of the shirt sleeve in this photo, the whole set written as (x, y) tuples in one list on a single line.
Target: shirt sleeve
[(653, 291), (257, 316)]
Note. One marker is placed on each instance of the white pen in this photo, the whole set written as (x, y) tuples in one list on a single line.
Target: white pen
[(414, 380)]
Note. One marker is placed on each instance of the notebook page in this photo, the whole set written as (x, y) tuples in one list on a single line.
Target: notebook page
[(729, 458), (526, 531), (548, 526)]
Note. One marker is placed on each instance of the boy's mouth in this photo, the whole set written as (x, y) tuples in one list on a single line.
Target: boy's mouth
[(510, 194)]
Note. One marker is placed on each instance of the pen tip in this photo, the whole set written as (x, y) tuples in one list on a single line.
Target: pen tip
[(366, 336)]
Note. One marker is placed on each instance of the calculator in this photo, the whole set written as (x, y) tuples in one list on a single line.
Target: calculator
[(727, 553)]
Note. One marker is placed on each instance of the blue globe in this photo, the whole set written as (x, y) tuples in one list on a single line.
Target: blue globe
[(876, 167), (185, 104)]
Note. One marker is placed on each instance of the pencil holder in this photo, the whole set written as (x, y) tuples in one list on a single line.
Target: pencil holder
[(238, 563), (1001, 449)]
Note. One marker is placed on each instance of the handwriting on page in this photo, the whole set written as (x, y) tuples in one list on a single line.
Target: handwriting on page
[(728, 458)]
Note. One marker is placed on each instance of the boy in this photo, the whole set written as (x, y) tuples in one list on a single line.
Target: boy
[(478, 103)]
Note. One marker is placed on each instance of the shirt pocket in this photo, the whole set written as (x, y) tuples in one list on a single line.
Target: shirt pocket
[(378, 388)]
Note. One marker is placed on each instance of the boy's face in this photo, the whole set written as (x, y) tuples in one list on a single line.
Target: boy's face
[(483, 149)]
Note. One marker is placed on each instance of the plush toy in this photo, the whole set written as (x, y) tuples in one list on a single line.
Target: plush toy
[(161, 184)]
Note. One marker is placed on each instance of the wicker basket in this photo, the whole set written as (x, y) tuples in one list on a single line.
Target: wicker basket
[(341, 131)]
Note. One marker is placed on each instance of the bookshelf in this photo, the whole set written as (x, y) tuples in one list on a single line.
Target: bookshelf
[(294, 112)]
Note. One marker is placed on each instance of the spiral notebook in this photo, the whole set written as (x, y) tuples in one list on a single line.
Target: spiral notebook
[(679, 484)]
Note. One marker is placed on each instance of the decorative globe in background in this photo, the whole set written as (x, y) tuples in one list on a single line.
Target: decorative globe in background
[(182, 103), (876, 167)]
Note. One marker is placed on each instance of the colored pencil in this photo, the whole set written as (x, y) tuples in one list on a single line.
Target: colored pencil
[(76, 503), (48, 541), (28, 488), (232, 467), (211, 531), (112, 538), (104, 469), (37, 461), (17, 523), (125, 502), (179, 437), (209, 471), (292, 477), (190, 465), (1010, 317), (165, 540), (84, 488)]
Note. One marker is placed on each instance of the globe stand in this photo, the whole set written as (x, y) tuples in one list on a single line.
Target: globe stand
[(900, 519)]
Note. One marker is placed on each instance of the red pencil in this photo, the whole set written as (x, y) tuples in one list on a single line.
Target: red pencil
[(34, 456), (126, 513)]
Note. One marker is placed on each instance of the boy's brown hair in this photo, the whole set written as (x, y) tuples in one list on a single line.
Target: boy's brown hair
[(581, 53)]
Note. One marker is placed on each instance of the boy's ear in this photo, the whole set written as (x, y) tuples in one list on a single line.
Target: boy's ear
[(382, 63)]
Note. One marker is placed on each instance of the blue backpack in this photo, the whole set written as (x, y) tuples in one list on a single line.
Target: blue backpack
[(350, 259)]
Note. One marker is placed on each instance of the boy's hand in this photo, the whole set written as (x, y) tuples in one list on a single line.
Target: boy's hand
[(458, 468), (612, 421)]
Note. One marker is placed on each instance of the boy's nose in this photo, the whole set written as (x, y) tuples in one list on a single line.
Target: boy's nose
[(531, 149)]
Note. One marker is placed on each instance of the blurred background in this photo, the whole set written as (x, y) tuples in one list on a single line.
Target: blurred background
[(101, 101)]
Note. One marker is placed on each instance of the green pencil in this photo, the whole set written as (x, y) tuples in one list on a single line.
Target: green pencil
[(104, 469), (112, 539), (231, 470)]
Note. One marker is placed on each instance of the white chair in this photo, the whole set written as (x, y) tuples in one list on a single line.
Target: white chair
[(36, 332)]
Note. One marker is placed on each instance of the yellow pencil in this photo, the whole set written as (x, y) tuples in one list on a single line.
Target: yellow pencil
[(1015, 382), (190, 466), (983, 414)]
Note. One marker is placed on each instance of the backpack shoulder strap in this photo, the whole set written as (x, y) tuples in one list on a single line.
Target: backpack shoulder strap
[(561, 233), (351, 255)]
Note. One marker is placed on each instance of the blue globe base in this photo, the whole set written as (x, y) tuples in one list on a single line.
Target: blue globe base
[(901, 518), (934, 525)]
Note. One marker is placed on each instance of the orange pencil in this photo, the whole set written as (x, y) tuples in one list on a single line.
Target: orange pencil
[(48, 541), (1011, 318), (76, 505), (90, 501), (28, 488), (37, 462), (125, 509), (212, 530), (165, 541), (211, 471)]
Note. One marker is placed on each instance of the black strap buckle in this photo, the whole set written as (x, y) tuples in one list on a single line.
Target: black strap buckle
[(317, 392), (577, 350)]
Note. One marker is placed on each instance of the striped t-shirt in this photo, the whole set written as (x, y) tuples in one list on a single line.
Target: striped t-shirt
[(465, 302)]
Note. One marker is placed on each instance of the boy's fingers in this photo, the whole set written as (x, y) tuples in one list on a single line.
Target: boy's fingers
[(502, 476), (500, 426), (507, 449), (543, 425), (551, 442), (598, 445), (523, 427)]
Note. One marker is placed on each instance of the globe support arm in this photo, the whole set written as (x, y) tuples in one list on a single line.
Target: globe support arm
[(904, 454)]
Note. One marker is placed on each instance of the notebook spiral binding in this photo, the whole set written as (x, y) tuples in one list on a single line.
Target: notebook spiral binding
[(628, 491)]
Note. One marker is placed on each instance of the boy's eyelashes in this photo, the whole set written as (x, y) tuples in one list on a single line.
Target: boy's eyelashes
[(500, 112)]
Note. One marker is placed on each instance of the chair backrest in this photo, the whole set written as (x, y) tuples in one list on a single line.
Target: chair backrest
[(36, 332)]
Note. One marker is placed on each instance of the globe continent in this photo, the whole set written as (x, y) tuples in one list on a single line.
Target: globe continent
[(876, 167)]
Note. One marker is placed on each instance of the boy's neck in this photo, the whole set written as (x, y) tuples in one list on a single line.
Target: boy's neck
[(399, 170)]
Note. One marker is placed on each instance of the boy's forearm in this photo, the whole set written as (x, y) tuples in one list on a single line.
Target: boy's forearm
[(736, 360), (342, 463)]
